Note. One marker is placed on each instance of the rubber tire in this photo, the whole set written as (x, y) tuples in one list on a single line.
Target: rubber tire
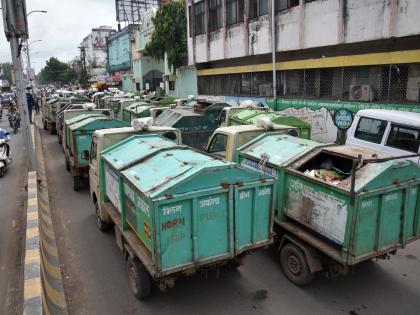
[(77, 183), (289, 254), (2, 172), (68, 167), (102, 225), (140, 282)]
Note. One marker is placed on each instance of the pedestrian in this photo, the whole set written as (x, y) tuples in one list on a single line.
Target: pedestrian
[(36, 103), (30, 102)]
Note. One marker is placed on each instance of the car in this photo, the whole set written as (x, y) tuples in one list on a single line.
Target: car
[(391, 131)]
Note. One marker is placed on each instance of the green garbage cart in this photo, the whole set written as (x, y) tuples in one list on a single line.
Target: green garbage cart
[(177, 211), (249, 116), (336, 206), (196, 128), (79, 139)]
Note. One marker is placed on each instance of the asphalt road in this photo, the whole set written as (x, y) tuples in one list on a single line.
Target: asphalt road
[(95, 280), (11, 215)]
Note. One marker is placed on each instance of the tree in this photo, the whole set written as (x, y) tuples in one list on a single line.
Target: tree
[(170, 35), (56, 71), (6, 69)]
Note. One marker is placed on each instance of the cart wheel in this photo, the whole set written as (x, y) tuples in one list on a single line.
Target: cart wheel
[(77, 183), (295, 266), (68, 167), (140, 282), (234, 264), (102, 225)]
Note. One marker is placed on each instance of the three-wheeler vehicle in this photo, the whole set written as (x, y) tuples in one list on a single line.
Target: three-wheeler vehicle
[(79, 139), (250, 116), (177, 211), (105, 138), (336, 206)]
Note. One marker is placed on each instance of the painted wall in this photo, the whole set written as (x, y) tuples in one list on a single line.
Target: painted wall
[(314, 24)]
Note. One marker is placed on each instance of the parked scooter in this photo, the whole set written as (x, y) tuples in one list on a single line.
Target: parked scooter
[(5, 154), (14, 120)]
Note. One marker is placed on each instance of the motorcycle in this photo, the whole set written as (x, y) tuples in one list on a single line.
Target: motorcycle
[(5, 155), (14, 120)]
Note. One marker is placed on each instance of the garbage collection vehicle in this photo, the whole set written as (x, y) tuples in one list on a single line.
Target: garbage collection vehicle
[(103, 139), (79, 139), (117, 106), (250, 116), (136, 110), (196, 129), (59, 120), (177, 211), (226, 140), (336, 206), (53, 106), (75, 115)]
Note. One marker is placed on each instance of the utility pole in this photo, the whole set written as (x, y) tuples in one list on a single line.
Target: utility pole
[(16, 30)]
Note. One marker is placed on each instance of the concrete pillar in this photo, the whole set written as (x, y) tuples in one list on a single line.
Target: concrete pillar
[(393, 16), (301, 24)]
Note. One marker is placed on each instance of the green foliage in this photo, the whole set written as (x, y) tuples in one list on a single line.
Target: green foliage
[(6, 70), (170, 35), (56, 71)]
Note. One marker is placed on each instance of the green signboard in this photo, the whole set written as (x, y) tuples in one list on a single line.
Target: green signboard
[(354, 107), (343, 118)]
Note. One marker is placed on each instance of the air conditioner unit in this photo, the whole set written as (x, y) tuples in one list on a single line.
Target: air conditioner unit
[(361, 93)]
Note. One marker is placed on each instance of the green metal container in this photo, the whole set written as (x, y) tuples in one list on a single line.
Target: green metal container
[(187, 209), (196, 129), (80, 136), (350, 218), (117, 107), (250, 117), (67, 136), (136, 110)]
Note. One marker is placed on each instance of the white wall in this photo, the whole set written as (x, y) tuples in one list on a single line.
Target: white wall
[(322, 25)]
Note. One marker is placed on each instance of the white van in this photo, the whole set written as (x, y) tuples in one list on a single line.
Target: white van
[(390, 131)]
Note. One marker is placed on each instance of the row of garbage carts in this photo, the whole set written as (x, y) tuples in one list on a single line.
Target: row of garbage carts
[(176, 210)]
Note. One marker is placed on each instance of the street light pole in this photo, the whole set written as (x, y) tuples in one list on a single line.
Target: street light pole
[(13, 27), (28, 56)]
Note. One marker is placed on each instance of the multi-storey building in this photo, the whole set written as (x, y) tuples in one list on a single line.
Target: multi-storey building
[(95, 46), (325, 53)]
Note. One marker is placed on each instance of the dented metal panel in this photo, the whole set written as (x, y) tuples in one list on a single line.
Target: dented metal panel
[(369, 209), (187, 209)]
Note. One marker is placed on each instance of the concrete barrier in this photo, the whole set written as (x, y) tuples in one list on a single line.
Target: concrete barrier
[(43, 287)]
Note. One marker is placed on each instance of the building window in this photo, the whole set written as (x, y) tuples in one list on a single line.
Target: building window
[(286, 4), (171, 85), (215, 11), (234, 11), (199, 18), (258, 8), (190, 21)]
